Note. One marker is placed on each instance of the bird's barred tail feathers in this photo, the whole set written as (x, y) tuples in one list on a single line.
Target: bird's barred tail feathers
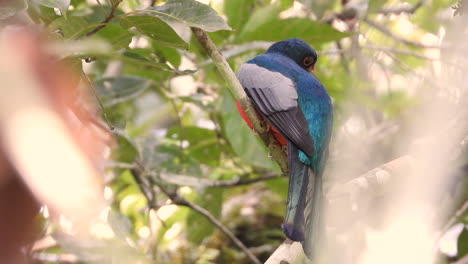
[(303, 207)]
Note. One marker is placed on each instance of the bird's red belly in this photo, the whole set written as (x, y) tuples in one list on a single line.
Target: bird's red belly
[(281, 140)]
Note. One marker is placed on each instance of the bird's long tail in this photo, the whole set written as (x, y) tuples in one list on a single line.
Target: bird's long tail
[(303, 206)]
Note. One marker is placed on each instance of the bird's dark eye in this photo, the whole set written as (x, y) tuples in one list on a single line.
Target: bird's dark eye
[(307, 61)]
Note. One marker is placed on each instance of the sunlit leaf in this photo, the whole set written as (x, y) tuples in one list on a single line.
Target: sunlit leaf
[(156, 29), (189, 13), (60, 4)]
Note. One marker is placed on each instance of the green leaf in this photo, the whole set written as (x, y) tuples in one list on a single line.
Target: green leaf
[(243, 141), (375, 5), (115, 35), (202, 143), (238, 12), (167, 54), (72, 27), (126, 150), (60, 4), (285, 4), (10, 8), (462, 244), (319, 7), (156, 29), (261, 16), (310, 31), (189, 13), (198, 227), (113, 90)]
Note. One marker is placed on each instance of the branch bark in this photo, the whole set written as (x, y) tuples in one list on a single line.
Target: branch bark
[(237, 91)]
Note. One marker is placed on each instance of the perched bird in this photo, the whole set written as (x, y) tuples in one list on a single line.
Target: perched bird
[(299, 110)]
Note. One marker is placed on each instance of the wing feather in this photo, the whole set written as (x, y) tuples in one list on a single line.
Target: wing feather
[(275, 96)]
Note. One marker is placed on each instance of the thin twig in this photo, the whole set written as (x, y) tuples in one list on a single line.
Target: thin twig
[(399, 51), (390, 34), (106, 20), (182, 202), (401, 10), (184, 180), (93, 89), (145, 184)]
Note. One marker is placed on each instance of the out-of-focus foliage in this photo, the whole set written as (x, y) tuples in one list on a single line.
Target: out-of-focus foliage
[(171, 112)]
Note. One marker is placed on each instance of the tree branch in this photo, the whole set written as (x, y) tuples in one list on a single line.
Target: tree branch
[(106, 20), (178, 200), (146, 183), (237, 91)]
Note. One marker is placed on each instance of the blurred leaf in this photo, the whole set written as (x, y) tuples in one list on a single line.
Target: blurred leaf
[(310, 31), (429, 19), (179, 216), (167, 54), (198, 227), (189, 13), (243, 141), (462, 244), (60, 4), (126, 150), (202, 143), (114, 90), (72, 27), (11, 7), (238, 11), (261, 16), (115, 35), (285, 4), (375, 5), (280, 187), (137, 57), (42, 14), (319, 7), (156, 29)]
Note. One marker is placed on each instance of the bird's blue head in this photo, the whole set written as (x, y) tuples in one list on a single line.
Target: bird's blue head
[(297, 50)]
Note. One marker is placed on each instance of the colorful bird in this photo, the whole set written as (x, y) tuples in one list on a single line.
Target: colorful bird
[(300, 112)]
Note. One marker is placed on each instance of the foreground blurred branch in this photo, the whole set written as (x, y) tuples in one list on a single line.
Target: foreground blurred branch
[(289, 252), (407, 9), (390, 34), (237, 91)]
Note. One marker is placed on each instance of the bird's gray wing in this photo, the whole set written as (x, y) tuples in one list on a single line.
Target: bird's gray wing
[(275, 96)]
